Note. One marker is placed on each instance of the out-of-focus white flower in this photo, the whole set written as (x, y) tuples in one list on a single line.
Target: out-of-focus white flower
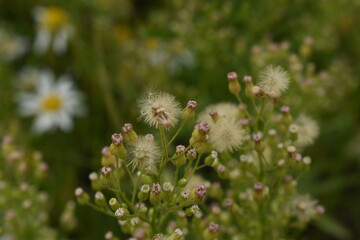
[(224, 110), (160, 108), (53, 29), (53, 103), (274, 80), (11, 46), (308, 130)]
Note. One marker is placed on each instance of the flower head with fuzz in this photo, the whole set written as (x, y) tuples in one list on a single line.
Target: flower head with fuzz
[(307, 130), (144, 154), (227, 135), (274, 80), (160, 109)]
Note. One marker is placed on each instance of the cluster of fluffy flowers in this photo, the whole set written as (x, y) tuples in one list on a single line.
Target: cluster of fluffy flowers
[(251, 152), (23, 207)]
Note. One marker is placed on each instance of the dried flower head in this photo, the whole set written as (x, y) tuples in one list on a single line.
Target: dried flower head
[(308, 130), (159, 109), (227, 135), (274, 80), (144, 154)]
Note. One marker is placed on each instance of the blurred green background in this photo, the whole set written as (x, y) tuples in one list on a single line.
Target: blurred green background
[(120, 47)]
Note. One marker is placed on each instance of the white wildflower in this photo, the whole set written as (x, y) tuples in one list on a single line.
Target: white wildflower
[(274, 80), (308, 130), (53, 103), (224, 110), (159, 108), (53, 29)]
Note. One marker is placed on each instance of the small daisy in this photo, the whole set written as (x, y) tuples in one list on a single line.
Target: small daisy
[(307, 132), (274, 80), (160, 109), (53, 29), (53, 103), (144, 154)]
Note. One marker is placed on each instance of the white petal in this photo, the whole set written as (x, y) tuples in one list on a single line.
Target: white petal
[(60, 41), (64, 121), (42, 41), (44, 123)]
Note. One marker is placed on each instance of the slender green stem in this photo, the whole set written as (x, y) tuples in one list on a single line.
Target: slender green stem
[(135, 189), (177, 132), (107, 212), (261, 164), (165, 157), (259, 115), (129, 173)]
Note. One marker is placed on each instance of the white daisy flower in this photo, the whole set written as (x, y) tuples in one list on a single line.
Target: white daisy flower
[(53, 103), (274, 80), (160, 108), (307, 132), (53, 29), (11, 46)]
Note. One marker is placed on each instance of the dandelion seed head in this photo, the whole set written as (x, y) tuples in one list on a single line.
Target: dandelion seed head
[(144, 154), (308, 130), (227, 135), (274, 80), (160, 109)]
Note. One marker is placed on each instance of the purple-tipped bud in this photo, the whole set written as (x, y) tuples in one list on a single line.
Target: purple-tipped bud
[(156, 188), (232, 76), (192, 104), (213, 113), (117, 139), (105, 152), (247, 79), (200, 190), (244, 122), (127, 127), (203, 127), (288, 178), (258, 187), (105, 171), (257, 138), (191, 153), (213, 227), (285, 109), (180, 149)]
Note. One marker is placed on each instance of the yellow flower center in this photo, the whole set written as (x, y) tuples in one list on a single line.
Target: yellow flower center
[(54, 18), (51, 103)]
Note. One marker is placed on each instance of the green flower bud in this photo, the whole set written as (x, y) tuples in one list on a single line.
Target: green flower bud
[(122, 214), (179, 158), (188, 113), (234, 85), (81, 196), (181, 220), (260, 191), (95, 181), (156, 194), (182, 182), (209, 160), (114, 204), (176, 235), (100, 199), (211, 232), (117, 148), (130, 135), (107, 159), (146, 179), (144, 192)]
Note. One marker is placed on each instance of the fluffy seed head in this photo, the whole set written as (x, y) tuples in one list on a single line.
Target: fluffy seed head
[(274, 80), (308, 130), (144, 154), (159, 109), (227, 135)]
